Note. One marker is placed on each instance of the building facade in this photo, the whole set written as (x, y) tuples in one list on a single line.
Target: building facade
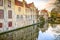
[(15, 14), (25, 13), (44, 13), (6, 15)]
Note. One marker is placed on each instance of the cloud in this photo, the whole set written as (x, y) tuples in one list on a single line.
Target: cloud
[(42, 4)]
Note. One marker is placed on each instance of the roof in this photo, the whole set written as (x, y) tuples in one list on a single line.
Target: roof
[(18, 3), (44, 10), (31, 4)]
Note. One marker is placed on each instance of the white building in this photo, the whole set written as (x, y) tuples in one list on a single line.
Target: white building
[(7, 16)]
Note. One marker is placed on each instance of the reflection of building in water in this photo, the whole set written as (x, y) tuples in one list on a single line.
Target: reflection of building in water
[(56, 31), (57, 37)]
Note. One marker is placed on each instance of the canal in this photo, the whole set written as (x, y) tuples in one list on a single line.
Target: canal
[(52, 33)]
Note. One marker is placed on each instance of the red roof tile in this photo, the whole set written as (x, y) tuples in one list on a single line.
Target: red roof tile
[(44, 10), (31, 4), (18, 3)]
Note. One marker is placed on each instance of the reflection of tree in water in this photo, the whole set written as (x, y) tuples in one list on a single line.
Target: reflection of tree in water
[(43, 24)]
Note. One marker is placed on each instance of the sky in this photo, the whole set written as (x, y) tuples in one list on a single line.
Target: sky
[(39, 3), (42, 4)]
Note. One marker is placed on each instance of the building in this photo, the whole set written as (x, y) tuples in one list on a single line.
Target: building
[(15, 14), (19, 13), (25, 13), (6, 15), (44, 13)]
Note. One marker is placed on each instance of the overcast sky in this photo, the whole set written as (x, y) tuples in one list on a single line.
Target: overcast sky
[(42, 4)]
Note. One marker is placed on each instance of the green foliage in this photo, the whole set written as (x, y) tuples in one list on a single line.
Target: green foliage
[(42, 22)]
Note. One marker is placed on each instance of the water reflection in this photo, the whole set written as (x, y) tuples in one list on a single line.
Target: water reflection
[(52, 33)]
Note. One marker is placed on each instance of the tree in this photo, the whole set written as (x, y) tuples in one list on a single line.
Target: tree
[(42, 22)]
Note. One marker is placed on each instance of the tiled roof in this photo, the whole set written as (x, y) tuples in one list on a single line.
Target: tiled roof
[(44, 10), (31, 4), (18, 3)]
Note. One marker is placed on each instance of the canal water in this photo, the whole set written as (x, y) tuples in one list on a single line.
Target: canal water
[(52, 33)]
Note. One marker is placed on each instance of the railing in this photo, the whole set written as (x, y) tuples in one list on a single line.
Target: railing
[(29, 32)]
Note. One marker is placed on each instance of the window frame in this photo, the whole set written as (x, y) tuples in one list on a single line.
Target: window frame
[(10, 25), (9, 3), (1, 3), (1, 25), (2, 14), (10, 14)]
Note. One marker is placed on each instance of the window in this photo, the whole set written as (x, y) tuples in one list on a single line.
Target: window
[(21, 16), (1, 2), (9, 14), (19, 9), (0, 25), (17, 16), (1, 14), (9, 24), (26, 16), (9, 3)]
